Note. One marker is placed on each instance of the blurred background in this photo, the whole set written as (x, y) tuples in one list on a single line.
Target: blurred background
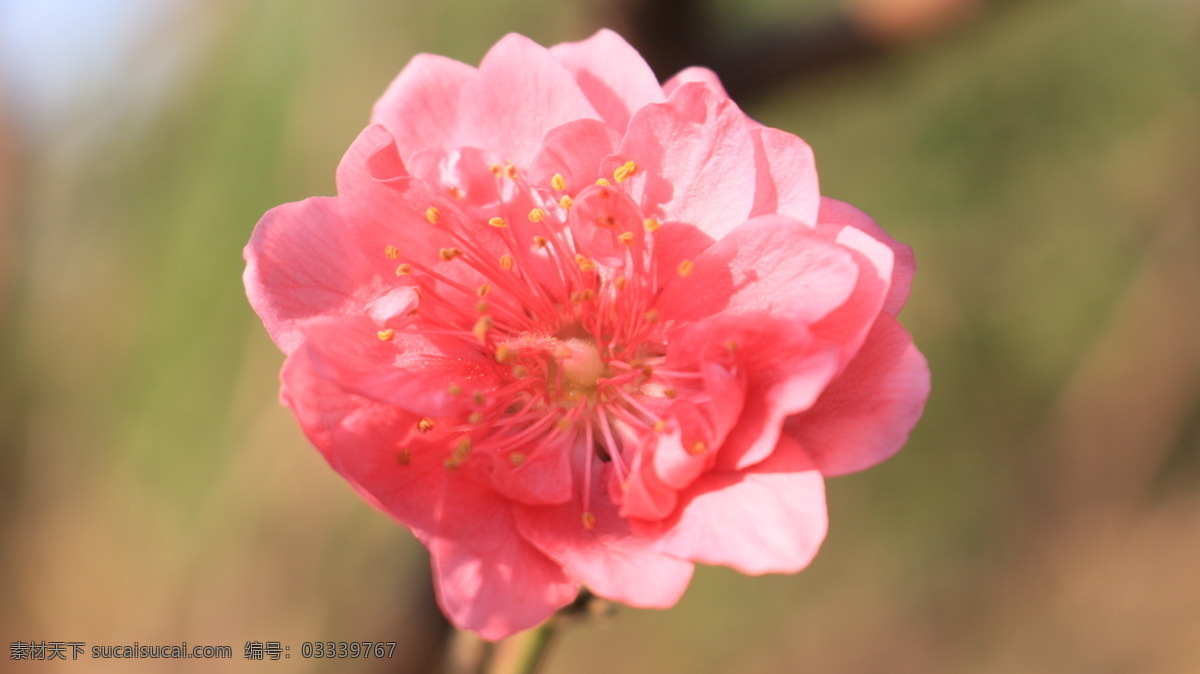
[(1042, 157)]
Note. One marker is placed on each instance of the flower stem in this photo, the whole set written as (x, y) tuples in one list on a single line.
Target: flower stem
[(524, 653)]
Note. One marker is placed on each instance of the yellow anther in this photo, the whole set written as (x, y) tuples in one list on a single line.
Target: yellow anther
[(474, 418), (454, 390), (606, 221), (510, 171), (404, 269), (685, 268), (459, 456), (624, 171), (516, 458), (502, 353), (731, 346), (483, 290), (652, 316), (564, 424), (478, 398), (482, 327), (603, 182), (589, 521), (462, 446), (391, 252), (404, 457), (670, 393), (537, 215), (425, 425), (506, 262), (433, 215), (625, 238), (386, 335), (455, 192), (540, 242), (497, 170), (566, 202), (587, 295), (651, 224), (498, 223), (620, 282), (558, 182), (697, 448), (585, 263), (448, 254), (482, 307), (660, 426), (520, 371)]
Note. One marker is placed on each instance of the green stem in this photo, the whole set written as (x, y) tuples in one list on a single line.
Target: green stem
[(524, 653)]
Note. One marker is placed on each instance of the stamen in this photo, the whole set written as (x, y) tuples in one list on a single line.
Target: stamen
[(697, 448), (624, 171), (432, 214), (603, 182), (626, 238), (566, 202), (454, 390), (404, 269), (482, 327), (558, 182), (537, 215), (651, 224), (498, 223), (540, 242), (652, 316), (510, 171), (404, 457), (589, 521), (496, 169), (448, 254), (516, 459), (391, 252), (685, 268), (386, 335), (506, 262), (425, 425), (483, 290), (585, 263)]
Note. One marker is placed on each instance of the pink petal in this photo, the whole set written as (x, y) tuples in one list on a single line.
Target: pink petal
[(613, 76), (575, 151), (695, 159), (609, 559), (301, 265), (490, 580), (768, 519), (865, 415), (408, 371), (521, 93), (787, 176), (421, 105), (769, 266), (840, 213), (694, 74)]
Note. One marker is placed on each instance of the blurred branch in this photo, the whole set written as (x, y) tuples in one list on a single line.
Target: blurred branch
[(675, 34)]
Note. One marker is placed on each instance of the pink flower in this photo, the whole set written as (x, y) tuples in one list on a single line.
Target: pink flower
[(574, 327)]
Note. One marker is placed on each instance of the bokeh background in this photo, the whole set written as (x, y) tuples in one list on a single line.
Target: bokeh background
[(1042, 157)]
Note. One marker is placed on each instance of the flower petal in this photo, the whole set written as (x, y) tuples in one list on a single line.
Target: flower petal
[(491, 580), (865, 415), (609, 558), (770, 518), (787, 176), (613, 76), (694, 74), (421, 105), (521, 92), (299, 266), (904, 265), (695, 159), (769, 266)]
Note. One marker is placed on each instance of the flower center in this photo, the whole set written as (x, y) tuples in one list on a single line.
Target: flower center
[(581, 364)]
